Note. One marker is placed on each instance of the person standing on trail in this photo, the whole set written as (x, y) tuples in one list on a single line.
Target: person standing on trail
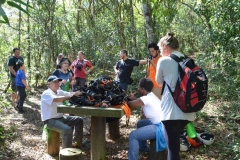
[(81, 69), (124, 68), (21, 84), (13, 70), (50, 99), (152, 64), (174, 119)]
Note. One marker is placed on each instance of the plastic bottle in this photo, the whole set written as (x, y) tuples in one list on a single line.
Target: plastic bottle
[(191, 132), (67, 89), (67, 86), (44, 133)]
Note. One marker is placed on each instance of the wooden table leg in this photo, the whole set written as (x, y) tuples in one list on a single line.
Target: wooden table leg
[(98, 143)]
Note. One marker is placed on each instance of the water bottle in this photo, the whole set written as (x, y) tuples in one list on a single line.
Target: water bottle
[(191, 132), (44, 133), (67, 86), (67, 89)]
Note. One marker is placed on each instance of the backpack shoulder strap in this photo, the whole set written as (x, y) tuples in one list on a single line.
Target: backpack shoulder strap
[(176, 58), (164, 84)]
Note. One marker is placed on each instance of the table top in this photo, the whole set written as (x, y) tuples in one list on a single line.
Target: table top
[(91, 111)]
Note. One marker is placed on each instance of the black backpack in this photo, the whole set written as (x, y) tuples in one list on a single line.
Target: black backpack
[(190, 93)]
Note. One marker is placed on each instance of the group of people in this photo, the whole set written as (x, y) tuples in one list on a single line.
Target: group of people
[(18, 79), (161, 113), (162, 118), (72, 74)]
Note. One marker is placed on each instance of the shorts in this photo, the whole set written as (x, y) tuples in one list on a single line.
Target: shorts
[(13, 84)]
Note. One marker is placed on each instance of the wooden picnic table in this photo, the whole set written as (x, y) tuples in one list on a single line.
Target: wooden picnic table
[(98, 125)]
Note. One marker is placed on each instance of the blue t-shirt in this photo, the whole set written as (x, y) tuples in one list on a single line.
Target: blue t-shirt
[(20, 75), (65, 76)]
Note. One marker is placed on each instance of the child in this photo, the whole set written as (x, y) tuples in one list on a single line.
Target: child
[(21, 85)]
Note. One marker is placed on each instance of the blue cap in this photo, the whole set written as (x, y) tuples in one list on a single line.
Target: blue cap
[(53, 78)]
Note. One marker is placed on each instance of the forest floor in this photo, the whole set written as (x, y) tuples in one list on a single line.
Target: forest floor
[(23, 133)]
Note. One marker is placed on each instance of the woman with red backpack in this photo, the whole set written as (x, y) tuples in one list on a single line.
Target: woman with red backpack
[(174, 119)]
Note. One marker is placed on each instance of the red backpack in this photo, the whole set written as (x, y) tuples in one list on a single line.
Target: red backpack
[(190, 93)]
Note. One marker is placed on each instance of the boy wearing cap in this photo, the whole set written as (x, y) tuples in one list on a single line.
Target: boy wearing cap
[(50, 99)]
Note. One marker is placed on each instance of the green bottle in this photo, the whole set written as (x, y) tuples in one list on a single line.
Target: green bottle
[(191, 132), (67, 89), (44, 133), (67, 86)]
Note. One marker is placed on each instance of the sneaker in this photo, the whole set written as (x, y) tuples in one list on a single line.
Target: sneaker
[(21, 111), (184, 144)]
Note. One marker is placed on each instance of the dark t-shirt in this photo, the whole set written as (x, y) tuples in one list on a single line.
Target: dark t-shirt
[(12, 62), (65, 76), (125, 68)]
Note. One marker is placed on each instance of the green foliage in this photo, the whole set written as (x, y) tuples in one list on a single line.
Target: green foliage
[(14, 3)]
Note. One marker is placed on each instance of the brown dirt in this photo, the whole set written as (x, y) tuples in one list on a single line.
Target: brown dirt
[(24, 141)]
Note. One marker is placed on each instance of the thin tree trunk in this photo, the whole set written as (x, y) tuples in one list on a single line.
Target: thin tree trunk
[(134, 39), (78, 27), (148, 21), (19, 29), (29, 46)]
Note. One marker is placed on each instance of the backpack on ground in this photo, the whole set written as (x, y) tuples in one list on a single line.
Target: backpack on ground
[(190, 93)]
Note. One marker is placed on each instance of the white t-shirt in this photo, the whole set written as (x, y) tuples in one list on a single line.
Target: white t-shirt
[(167, 70), (152, 107), (48, 107)]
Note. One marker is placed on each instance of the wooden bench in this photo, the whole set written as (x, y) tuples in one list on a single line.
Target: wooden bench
[(53, 137), (154, 155)]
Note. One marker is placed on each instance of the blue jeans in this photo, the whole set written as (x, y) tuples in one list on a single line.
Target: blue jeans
[(64, 127), (141, 134), (22, 94), (143, 144), (123, 85)]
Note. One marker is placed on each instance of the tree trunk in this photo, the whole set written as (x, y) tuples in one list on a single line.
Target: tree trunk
[(29, 47), (147, 13), (19, 29), (134, 39), (120, 25), (70, 154)]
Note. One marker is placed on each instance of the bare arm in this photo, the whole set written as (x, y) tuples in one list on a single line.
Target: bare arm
[(63, 98), (25, 84), (160, 84), (143, 61), (90, 69), (12, 70), (115, 69), (135, 103)]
